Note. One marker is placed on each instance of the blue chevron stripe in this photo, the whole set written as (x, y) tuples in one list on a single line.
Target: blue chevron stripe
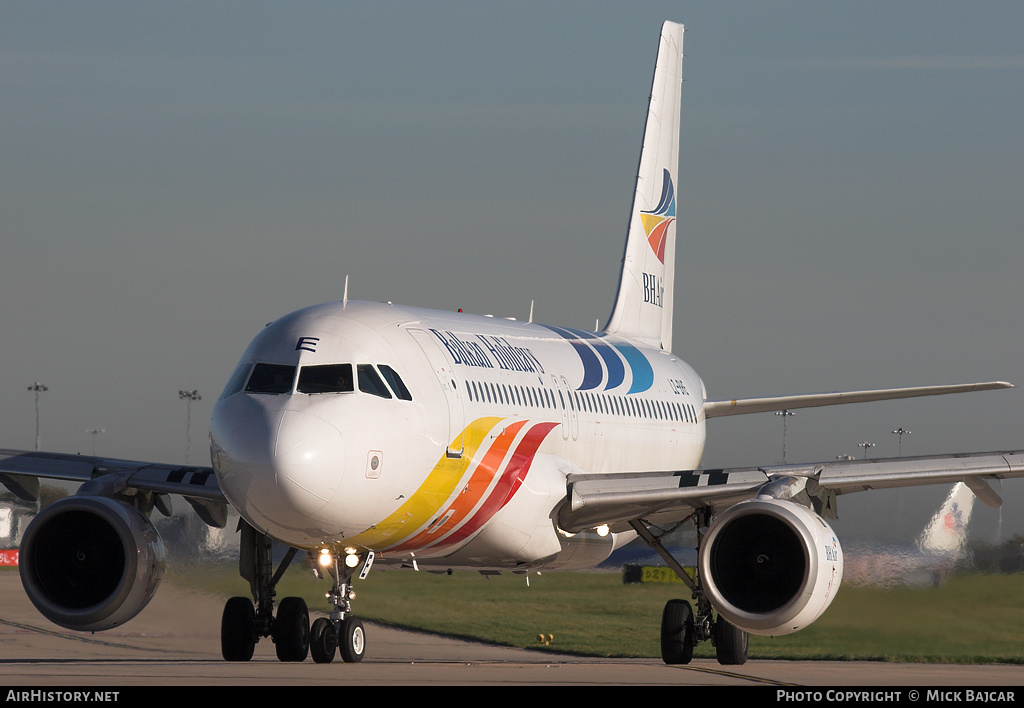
[(593, 374), (612, 362), (643, 374)]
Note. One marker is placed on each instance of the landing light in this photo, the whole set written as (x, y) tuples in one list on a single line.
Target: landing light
[(325, 558), (351, 560), (602, 530)]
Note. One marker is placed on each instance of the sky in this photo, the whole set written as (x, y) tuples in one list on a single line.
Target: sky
[(173, 176)]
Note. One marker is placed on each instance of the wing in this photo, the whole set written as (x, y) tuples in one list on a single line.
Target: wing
[(661, 497), (21, 470), (717, 409)]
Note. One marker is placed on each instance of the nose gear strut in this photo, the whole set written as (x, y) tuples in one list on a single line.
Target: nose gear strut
[(342, 631), (246, 621)]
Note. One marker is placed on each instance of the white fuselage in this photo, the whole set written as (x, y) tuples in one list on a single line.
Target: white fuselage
[(450, 440)]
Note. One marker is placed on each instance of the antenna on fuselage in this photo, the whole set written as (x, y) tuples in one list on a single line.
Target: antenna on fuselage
[(530, 321), (344, 297)]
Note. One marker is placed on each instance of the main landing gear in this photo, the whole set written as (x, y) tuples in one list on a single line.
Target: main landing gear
[(681, 628), (243, 624)]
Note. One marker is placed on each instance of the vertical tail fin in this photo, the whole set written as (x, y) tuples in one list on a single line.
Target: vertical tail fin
[(947, 532), (643, 305)]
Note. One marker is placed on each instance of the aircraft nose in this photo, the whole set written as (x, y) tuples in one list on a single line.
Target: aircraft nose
[(308, 459), (280, 458)]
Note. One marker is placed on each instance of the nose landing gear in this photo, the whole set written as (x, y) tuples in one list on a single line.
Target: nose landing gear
[(342, 631), (243, 624)]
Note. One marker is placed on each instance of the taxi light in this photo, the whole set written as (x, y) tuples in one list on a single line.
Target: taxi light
[(602, 530), (325, 558), (351, 560)]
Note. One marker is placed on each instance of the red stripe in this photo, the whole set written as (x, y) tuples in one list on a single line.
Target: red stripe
[(464, 503), (508, 485)]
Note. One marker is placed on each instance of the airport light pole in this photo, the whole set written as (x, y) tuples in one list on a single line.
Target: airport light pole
[(188, 397), (37, 388), (901, 432), (785, 414), (866, 445), (94, 432)]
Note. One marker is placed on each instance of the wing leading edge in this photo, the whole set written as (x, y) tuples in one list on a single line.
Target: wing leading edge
[(740, 406), (20, 471), (660, 497)]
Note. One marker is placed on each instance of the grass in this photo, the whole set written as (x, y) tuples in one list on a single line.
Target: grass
[(972, 619)]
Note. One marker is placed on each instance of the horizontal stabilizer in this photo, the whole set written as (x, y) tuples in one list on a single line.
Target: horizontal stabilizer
[(740, 406)]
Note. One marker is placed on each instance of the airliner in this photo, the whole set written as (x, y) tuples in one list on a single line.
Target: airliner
[(366, 434), (940, 551)]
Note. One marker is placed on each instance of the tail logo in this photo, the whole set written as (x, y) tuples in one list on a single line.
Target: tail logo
[(657, 221), (954, 520)]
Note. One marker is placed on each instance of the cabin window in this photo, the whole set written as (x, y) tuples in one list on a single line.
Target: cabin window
[(271, 378), (327, 378)]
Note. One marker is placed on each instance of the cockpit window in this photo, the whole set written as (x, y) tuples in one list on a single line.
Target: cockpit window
[(395, 381), (237, 379), (328, 378), (370, 381), (271, 378)]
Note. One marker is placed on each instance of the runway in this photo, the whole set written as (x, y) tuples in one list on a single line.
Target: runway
[(175, 641)]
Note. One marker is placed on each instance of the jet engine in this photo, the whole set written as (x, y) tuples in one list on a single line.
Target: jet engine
[(770, 566), (90, 563)]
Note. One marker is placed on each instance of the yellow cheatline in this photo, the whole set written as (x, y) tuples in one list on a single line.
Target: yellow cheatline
[(436, 489)]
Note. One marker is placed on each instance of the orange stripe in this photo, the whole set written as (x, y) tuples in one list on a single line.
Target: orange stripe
[(471, 493), (436, 490), (511, 479)]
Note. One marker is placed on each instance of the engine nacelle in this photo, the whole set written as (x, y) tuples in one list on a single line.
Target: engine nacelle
[(770, 566), (90, 563)]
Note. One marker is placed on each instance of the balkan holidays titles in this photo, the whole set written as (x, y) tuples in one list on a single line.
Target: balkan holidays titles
[(489, 352)]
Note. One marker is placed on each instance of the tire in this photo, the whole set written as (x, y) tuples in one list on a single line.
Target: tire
[(236, 630), (677, 632), (291, 630), (322, 641), (730, 643), (352, 640)]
